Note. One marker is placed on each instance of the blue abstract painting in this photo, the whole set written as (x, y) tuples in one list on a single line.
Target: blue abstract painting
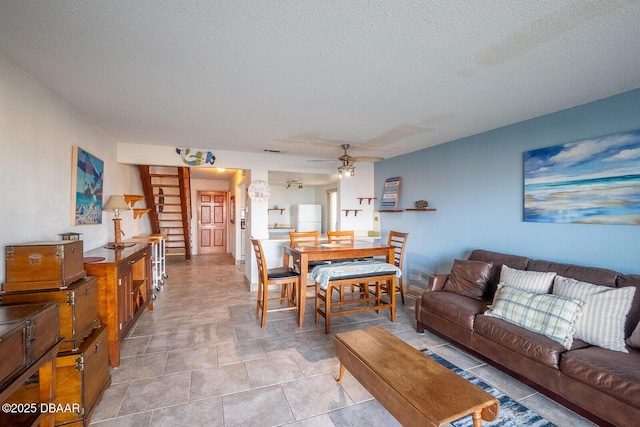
[(87, 188), (594, 181)]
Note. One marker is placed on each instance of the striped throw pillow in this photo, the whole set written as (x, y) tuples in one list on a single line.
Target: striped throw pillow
[(550, 315), (536, 282), (605, 311)]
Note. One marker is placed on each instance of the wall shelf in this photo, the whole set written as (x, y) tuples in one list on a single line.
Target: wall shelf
[(355, 211), (369, 199), (132, 199), (137, 213), (277, 209), (421, 209)]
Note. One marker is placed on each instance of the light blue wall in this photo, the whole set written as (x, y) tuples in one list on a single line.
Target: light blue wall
[(476, 185)]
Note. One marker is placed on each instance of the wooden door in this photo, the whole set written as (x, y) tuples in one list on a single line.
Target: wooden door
[(212, 222)]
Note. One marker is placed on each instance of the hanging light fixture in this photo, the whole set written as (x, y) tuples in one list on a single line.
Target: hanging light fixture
[(346, 170), (295, 182)]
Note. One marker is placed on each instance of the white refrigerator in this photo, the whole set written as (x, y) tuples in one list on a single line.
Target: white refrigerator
[(306, 217)]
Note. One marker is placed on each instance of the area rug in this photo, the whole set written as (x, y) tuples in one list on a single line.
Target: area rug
[(511, 413)]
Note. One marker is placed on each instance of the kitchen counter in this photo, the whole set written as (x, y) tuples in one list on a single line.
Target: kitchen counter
[(280, 232)]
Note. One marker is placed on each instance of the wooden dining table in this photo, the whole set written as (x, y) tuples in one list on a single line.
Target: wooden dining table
[(305, 252)]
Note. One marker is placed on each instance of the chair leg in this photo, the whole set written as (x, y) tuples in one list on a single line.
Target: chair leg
[(392, 295), (265, 297), (401, 288), (258, 298), (327, 307), (318, 290)]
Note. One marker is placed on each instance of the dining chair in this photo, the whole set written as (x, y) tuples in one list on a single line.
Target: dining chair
[(296, 237), (398, 241), (305, 237), (346, 237), (285, 277)]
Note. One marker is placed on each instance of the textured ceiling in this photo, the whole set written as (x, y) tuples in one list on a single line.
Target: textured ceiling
[(388, 77)]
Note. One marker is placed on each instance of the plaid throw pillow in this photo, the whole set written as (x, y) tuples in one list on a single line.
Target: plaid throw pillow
[(550, 315)]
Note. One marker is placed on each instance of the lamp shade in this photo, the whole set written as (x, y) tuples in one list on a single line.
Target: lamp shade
[(116, 204)]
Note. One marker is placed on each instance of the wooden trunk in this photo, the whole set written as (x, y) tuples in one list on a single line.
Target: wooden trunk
[(82, 376), (13, 351), (43, 325), (43, 265), (78, 308)]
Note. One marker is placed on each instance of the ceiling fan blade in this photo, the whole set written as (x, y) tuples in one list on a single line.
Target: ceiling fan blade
[(366, 159), (324, 160)]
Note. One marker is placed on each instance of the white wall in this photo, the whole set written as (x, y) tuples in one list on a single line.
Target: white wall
[(37, 133), (349, 190)]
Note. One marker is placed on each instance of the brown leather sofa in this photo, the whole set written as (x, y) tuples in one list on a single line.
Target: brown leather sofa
[(600, 384)]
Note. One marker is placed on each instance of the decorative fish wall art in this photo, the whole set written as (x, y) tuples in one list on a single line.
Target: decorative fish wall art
[(196, 158)]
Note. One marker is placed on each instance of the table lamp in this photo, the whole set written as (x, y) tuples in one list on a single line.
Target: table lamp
[(116, 204)]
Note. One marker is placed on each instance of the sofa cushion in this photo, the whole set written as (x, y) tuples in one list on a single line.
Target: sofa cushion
[(633, 318), (469, 278), (537, 282), (597, 276), (453, 307), (550, 315), (527, 343), (498, 260), (604, 312), (634, 339), (614, 373)]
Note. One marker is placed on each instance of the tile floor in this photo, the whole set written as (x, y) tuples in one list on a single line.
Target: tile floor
[(200, 358)]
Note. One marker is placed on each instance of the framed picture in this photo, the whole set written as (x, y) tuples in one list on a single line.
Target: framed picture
[(594, 181), (232, 210), (86, 187)]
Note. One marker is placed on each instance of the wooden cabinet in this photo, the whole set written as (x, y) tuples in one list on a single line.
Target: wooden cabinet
[(78, 308), (82, 376), (29, 341), (124, 290)]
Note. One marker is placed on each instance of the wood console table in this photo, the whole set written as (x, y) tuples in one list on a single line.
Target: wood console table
[(124, 289)]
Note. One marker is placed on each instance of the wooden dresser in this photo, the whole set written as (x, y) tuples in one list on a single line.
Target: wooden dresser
[(124, 289)]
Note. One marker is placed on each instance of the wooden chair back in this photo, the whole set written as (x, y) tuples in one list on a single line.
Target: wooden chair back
[(398, 241), (260, 260), (346, 237), (296, 237)]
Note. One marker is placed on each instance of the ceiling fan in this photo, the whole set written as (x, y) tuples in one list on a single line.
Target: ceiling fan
[(346, 159), (347, 168)]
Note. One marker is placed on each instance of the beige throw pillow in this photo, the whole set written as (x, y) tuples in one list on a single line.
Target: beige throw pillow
[(605, 311)]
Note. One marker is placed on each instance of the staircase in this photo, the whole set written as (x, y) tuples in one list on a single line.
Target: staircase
[(167, 192)]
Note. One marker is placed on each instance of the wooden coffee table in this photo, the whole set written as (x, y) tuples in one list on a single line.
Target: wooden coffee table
[(414, 388)]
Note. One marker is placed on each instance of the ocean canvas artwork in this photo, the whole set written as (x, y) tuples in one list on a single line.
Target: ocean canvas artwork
[(87, 188), (594, 181)]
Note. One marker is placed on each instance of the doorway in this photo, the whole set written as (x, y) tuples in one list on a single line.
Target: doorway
[(332, 208), (212, 222)]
